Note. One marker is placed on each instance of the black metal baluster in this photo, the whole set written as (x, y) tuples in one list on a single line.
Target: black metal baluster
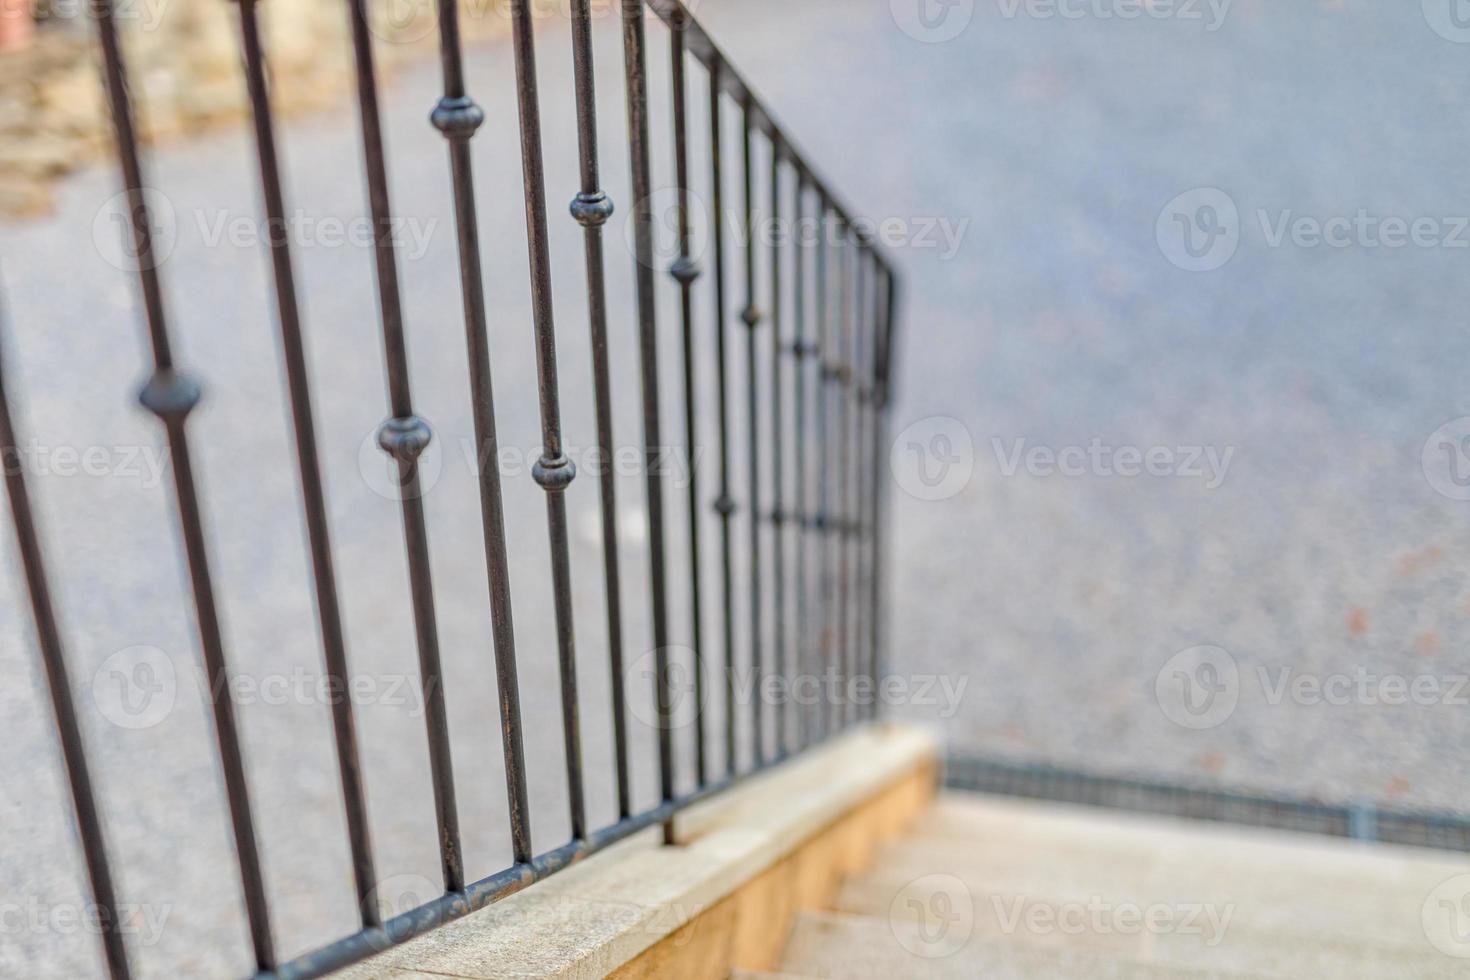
[(68, 731), (554, 472), (823, 521), (592, 207), (724, 504), (637, 96), (751, 317), (459, 117), (171, 395), (778, 517), (329, 614), (883, 371), (841, 376), (860, 525), (404, 437), (800, 518), (685, 271)]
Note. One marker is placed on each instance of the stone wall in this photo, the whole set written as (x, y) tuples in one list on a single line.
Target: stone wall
[(184, 71)]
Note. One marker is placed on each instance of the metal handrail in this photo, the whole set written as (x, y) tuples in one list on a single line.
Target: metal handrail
[(843, 305)]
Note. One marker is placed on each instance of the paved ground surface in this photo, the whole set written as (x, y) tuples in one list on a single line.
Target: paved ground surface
[(1062, 316)]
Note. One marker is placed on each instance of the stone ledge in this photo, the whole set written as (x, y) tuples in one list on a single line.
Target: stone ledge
[(722, 899)]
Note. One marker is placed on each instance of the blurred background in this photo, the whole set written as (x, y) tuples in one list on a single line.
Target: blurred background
[(1179, 462)]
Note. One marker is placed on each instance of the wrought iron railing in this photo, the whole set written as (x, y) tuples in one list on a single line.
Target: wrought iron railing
[(842, 302)]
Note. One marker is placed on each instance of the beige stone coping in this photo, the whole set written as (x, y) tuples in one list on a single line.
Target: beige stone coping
[(724, 897)]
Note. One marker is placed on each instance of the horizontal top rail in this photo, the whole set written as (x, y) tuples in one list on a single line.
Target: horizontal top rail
[(698, 42)]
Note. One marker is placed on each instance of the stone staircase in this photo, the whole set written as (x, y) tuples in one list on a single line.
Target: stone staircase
[(998, 889)]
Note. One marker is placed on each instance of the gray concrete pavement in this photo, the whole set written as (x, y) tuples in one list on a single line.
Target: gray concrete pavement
[(1051, 146)]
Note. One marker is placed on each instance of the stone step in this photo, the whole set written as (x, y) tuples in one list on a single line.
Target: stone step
[(1335, 899), (1000, 823), (1277, 940), (1172, 894), (852, 947)]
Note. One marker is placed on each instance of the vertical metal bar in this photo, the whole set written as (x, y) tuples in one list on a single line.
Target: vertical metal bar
[(591, 208), (841, 377), (68, 731), (458, 117), (751, 316), (860, 523), (171, 395), (684, 271), (724, 504), (823, 522), (801, 518), (778, 419), (883, 372), (329, 614), (634, 58), (404, 437), (554, 472)]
